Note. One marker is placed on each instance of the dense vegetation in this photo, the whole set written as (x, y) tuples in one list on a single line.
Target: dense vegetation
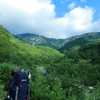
[(75, 43), (55, 76), (79, 41), (63, 45)]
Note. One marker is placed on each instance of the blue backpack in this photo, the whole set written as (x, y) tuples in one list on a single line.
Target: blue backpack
[(20, 87)]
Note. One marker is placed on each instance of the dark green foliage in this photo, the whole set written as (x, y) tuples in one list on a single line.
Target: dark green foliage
[(55, 76), (75, 43), (14, 50), (5, 71), (37, 40), (63, 45), (5, 47), (92, 36), (91, 51), (79, 41), (42, 89)]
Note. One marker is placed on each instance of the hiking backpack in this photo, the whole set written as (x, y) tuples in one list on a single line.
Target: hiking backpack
[(20, 87)]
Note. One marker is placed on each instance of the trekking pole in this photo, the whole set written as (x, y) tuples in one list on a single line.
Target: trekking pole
[(16, 93), (29, 92)]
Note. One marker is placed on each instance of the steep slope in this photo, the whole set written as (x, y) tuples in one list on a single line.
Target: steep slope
[(16, 51), (59, 44), (75, 43), (37, 40), (91, 51), (91, 36), (80, 41)]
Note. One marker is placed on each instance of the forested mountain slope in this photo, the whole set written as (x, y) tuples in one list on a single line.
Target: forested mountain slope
[(37, 40), (80, 41), (81, 65), (55, 76), (63, 45), (90, 51), (14, 50)]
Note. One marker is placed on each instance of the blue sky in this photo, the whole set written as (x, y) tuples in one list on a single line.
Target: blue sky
[(50, 18), (62, 6)]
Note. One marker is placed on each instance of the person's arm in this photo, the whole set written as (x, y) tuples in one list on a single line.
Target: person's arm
[(6, 87), (5, 93)]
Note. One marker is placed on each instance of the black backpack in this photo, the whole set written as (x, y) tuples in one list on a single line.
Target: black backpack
[(20, 87)]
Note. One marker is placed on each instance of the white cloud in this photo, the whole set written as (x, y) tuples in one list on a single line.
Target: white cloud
[(39, 17), (72, 5), (80, 19)]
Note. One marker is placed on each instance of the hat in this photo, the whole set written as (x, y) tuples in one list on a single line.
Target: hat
[(14, 70)]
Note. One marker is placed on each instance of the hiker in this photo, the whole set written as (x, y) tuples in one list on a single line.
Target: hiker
[(7, 85), (18, 86)]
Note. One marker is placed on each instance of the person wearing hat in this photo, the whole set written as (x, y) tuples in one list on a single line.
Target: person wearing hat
[(7, 85)]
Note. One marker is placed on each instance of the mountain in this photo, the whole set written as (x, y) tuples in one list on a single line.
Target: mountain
[(91, 51), (80, 41), (65, 74), (14, 50), (35, 40), (38, 40), (60, 44)]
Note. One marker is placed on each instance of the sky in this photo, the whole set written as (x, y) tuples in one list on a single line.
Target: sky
[(58, 19)]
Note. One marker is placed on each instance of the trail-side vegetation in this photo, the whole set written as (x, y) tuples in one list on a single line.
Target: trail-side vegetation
[(55, 76)]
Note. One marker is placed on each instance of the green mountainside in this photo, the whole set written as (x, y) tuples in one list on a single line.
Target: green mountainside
[(80, 41), (82, 65), (63, 45), (13, 48), (90, 51), (75, 43), (35, 40), (38, 40), (74, 75)]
